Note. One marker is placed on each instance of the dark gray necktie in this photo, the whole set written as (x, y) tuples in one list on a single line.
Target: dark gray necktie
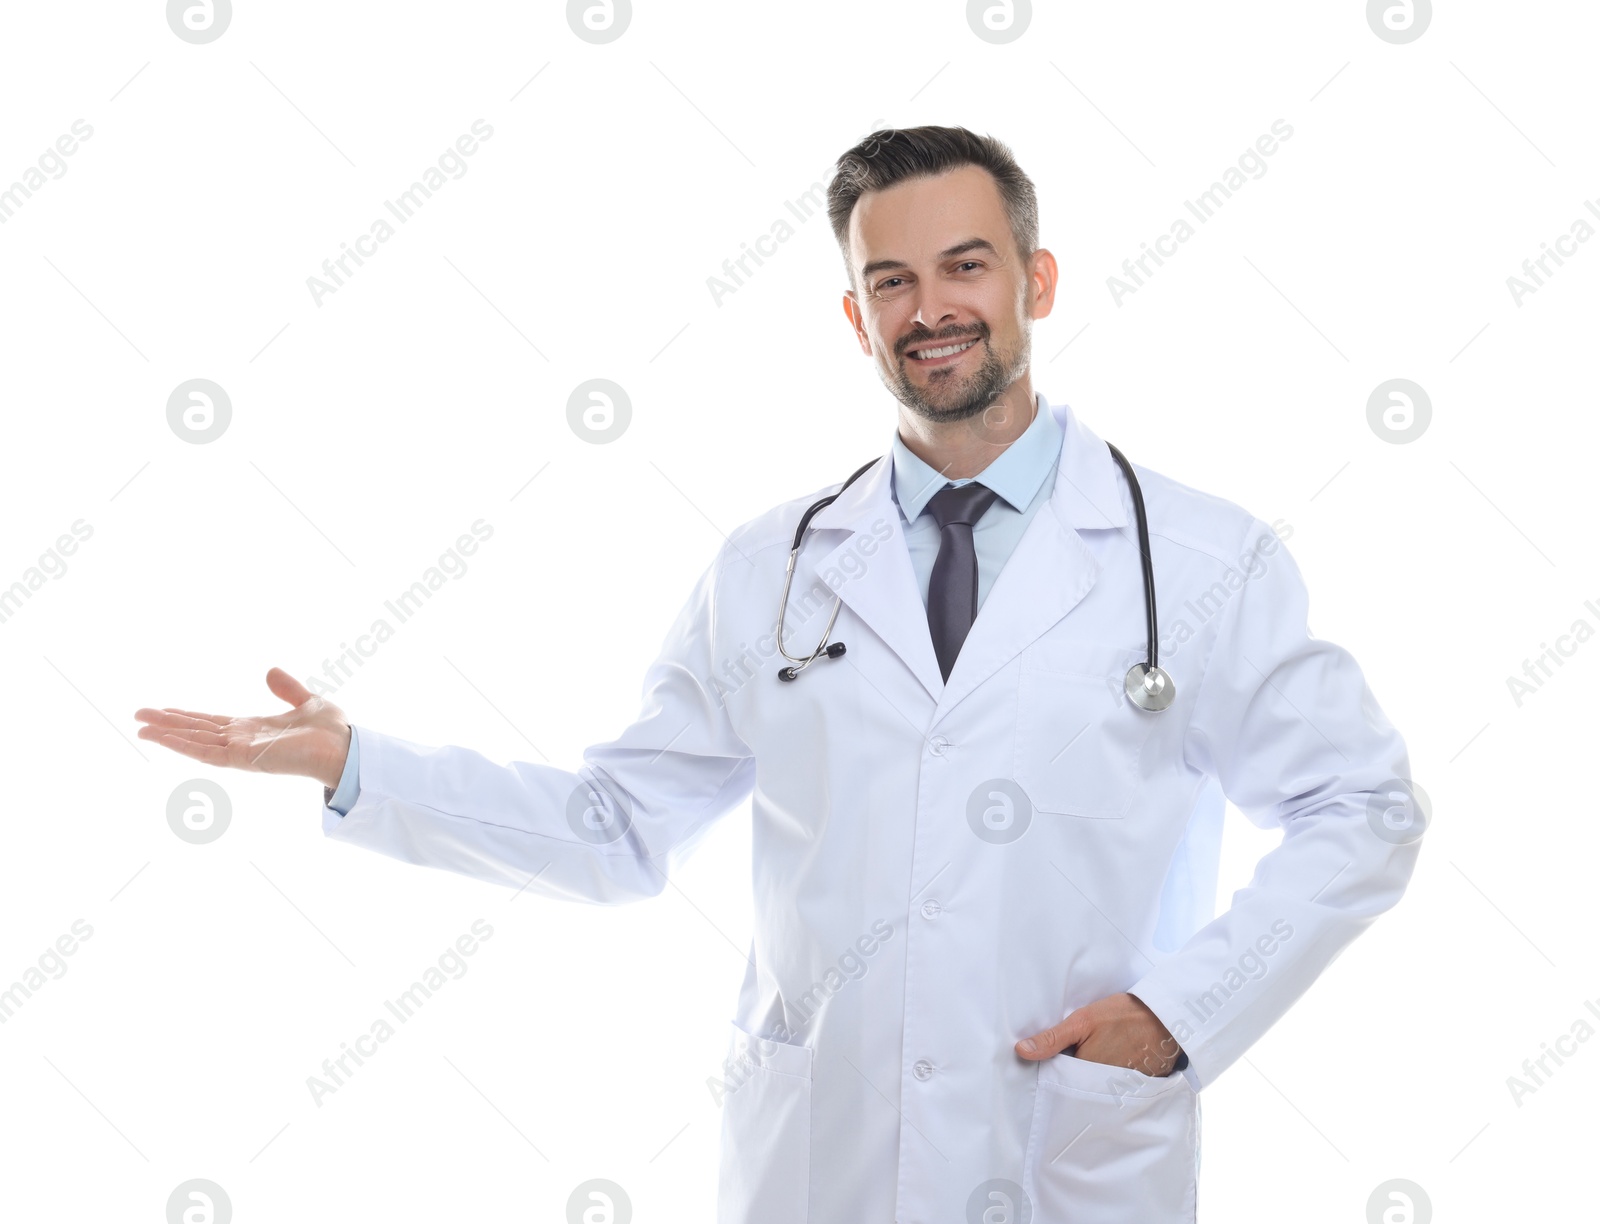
[(953, 585)]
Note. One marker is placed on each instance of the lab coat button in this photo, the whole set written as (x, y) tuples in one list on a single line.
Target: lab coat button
[(937, 745), (922, 1068), (931, 909)]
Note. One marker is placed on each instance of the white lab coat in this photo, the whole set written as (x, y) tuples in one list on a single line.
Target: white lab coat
[(940, 869)]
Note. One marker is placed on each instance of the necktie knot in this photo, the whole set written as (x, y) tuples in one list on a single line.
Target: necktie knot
[(960, 504)]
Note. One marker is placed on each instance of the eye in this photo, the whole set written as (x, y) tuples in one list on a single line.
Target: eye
[(887, 281), (969, 263)]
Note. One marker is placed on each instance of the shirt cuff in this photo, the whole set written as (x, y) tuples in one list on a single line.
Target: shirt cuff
[(343, 798)]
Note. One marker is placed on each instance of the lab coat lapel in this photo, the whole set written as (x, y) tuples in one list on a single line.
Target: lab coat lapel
[(1048, 573), (879, 586), (1051, 569)]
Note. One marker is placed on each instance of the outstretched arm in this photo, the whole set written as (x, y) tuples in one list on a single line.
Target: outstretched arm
[(607, 832)]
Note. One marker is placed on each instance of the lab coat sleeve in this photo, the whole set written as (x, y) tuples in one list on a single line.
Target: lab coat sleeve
[(1287, 725), (608, 832)]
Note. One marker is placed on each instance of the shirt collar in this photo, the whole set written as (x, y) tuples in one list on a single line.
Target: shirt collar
[(1015, 473)]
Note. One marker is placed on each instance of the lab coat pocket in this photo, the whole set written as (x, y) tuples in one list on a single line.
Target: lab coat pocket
[(1110, 1145), (766, 1132), (1079, 738)]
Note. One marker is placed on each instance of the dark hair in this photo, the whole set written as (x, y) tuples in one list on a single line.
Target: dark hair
[(891, 155)]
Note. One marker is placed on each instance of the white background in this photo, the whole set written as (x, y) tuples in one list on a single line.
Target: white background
[(369, 431)]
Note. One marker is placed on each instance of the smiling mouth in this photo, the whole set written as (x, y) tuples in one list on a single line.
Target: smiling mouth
[(941, 352)]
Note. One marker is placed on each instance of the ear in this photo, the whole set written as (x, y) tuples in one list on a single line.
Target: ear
[(1042, 284), (852, 311)]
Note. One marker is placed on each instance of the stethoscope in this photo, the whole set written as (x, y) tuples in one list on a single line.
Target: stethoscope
[(1147, 685)]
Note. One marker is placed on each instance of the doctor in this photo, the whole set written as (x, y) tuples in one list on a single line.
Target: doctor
[(986, 983)]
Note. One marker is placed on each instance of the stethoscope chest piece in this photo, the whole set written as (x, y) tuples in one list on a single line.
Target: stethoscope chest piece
[(1149, 688)]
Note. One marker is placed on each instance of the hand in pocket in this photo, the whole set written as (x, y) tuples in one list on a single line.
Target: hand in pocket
[(1118, 1030)]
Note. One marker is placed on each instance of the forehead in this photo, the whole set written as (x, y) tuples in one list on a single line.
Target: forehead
[(915, 219)]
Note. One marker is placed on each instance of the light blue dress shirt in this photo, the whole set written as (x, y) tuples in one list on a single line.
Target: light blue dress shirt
[(1018, 474), (344, 795)]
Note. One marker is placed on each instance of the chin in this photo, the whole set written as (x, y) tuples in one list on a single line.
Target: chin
[(940, 414)]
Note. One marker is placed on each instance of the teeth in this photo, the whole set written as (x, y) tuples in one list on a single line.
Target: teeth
[(947, 350)]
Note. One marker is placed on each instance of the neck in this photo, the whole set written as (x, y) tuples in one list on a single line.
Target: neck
[(959, 449)]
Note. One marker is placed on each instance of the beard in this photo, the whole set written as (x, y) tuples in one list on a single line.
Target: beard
[(949, 396)]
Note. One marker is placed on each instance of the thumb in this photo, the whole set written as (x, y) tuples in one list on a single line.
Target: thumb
[(1051, 1041), (287, 687)]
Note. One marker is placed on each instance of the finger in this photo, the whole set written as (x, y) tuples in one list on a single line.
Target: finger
[(175, 719), (209, 753), (189, 735), (1051, 1041), (218, 719), (286, 686)]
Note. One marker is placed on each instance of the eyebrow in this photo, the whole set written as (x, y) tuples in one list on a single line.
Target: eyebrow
[(960, 248)]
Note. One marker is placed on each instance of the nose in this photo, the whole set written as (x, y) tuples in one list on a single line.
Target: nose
[(929, 313)]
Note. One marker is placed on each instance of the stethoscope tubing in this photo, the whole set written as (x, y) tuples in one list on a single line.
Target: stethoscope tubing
[(1149, 688), (799, 664), (1144, 556)]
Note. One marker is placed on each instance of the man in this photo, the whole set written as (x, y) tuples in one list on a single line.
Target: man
[(985, 982)]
